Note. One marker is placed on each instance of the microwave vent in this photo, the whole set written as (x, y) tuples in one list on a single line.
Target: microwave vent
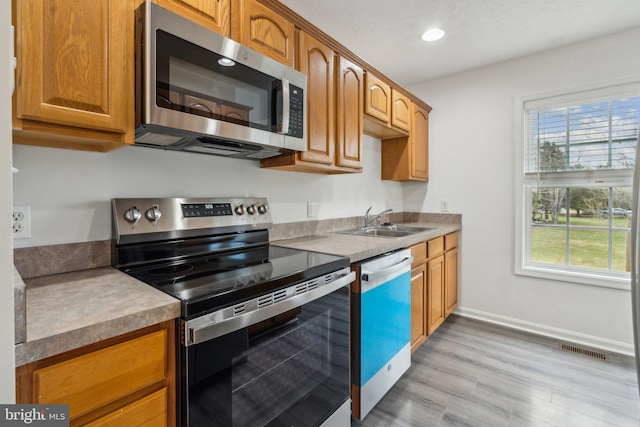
[(157, 139)]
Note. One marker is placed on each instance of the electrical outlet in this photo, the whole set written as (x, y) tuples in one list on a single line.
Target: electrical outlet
[(21, 222), (444, 205), (311, 209)]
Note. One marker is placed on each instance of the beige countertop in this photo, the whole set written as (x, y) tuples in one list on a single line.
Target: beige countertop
[(358, 248), (71, 310)]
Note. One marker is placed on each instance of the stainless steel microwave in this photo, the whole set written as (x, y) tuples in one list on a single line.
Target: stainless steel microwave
[(200, 92)]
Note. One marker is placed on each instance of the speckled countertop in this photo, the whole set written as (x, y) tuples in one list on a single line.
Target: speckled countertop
[(70, 310), (358, 248)]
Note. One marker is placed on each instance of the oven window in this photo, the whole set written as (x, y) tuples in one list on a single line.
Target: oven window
[(194, 80), (292, 369)]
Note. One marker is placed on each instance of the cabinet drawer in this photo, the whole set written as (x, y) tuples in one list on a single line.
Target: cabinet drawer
[(95, 379), (451, 241), (150, 410), (435, 246), (419, 254)]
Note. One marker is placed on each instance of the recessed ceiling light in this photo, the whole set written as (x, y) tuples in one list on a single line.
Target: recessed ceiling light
[(433, 34)]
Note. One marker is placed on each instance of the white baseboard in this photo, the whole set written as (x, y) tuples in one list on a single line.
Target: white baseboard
[(549, 331)]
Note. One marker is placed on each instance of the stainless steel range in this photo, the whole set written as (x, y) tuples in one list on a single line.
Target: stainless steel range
[(264, 332)]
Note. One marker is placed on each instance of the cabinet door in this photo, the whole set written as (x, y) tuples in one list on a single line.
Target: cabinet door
[(213, 14), (151, 410), (316, 61), (419, 143), (265, 31), (124, 380), (377, 98), (451, 280), (400, 111), (418, 306), (96, 379), (349, 114), (75, 63), (435, 293)]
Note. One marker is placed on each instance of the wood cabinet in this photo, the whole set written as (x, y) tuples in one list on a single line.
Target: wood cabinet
[(75, 79), (334, 118), (407, 158), (261, 29), (378, 98), (120, 381), (418, 296), (75, 74), (213, 14), (434, 285), (419, 143), (387, 111), (349, 115), (400, 111), (451, 273)]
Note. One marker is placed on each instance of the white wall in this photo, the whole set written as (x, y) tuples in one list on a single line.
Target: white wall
[(472, 142), (69, 191), (7, 359)]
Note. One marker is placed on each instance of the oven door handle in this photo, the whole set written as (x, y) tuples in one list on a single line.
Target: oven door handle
[(211, 326)]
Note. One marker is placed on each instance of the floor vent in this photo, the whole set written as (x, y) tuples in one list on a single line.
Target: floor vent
[(583, 351)]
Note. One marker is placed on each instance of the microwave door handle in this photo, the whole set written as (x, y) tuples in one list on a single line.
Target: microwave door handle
[(286, 111)]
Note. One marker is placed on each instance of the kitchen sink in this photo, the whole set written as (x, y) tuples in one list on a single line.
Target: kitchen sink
[(389, 230)]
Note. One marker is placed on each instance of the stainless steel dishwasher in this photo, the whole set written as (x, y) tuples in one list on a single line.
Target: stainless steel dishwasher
[(380, 327)]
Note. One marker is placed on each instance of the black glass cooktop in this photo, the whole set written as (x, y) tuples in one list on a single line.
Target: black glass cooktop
[(210, 282)]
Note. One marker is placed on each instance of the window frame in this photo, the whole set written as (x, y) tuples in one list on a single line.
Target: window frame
[(522, 190)]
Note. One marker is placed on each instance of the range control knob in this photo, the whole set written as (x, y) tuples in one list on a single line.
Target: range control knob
[(132, 214), (239, 210), (153, 213), (262, 209), (251, 209)]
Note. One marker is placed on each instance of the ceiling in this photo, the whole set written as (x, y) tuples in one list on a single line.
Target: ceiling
[(386, 33)]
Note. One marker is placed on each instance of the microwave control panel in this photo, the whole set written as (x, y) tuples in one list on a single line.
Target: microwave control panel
[(296, 108)]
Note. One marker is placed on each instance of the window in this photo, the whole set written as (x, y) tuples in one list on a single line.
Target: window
[(577, 160)]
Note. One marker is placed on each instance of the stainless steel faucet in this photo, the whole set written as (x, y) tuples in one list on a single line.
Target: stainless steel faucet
[(369, 219)]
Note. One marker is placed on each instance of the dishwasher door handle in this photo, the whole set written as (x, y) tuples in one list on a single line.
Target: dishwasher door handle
[(381, 276)]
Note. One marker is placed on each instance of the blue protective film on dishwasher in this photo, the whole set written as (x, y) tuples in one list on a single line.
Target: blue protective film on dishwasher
[(385, 324)]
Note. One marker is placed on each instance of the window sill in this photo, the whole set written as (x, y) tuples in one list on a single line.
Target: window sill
[(620, 281)]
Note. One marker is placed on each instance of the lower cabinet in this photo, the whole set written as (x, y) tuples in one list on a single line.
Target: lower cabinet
[(435, 293), (434, 285), (418, 295), (127, 380)]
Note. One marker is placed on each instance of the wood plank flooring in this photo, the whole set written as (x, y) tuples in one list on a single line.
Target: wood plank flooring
[(471, 373)]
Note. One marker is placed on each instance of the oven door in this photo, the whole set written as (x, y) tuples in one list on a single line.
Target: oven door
[(290, 369)]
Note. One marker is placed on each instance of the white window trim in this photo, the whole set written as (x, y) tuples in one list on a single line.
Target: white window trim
[(562, 273)]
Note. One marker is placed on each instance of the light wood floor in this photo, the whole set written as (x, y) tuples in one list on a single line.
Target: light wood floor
[(471, 373)]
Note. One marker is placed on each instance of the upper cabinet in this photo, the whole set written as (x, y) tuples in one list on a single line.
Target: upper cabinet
[(263, 30), (213, 14), (75, 73), (378, 98), (349, 117), (75, 82), (407, 158), (400, 111), (387, 111)]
